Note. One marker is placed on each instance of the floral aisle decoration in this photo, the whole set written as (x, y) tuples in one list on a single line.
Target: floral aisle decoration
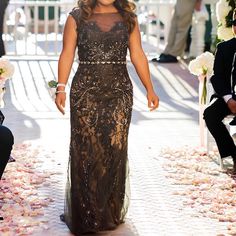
[(202, 66), (6, 72), (224, 14)]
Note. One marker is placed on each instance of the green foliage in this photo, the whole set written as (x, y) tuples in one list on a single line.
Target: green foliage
[(52, 84)]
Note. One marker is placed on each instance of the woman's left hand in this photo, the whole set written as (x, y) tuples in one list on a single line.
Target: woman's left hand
[(153, 100)]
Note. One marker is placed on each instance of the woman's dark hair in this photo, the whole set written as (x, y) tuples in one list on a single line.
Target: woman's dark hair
[(229, 17), (124, 7)]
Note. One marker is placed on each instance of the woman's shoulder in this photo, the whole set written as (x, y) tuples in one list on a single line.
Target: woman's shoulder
[(75, 12)]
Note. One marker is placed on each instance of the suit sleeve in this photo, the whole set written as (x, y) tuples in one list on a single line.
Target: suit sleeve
[(221, 79)]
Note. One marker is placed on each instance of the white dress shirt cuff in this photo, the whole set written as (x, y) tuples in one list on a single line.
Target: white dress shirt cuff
[(227, 97)]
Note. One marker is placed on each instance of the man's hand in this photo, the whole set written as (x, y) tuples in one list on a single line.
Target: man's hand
[(232, 105)]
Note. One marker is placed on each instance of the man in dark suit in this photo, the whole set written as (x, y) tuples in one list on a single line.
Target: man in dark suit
[(223, 82), (6, 143), (3, 6)]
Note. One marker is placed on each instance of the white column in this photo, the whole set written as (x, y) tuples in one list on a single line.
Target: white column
[(213, 18), (198, 32), (198, 28)]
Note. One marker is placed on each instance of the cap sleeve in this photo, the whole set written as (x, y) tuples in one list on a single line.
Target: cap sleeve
[(75, 14)]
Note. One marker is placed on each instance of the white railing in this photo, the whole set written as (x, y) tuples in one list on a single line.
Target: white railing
[(158, 17), (26, 34)]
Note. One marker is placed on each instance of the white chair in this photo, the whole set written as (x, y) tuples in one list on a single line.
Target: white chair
[(210, 141)]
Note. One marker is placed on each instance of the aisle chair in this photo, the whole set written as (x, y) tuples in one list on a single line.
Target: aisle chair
[(209, 139)]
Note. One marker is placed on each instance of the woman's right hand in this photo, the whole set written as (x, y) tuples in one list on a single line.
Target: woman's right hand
[(60, 102)]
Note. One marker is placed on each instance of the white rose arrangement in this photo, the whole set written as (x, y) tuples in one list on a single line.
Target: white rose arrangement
[(6, 72), (224, 13), (202, 66)]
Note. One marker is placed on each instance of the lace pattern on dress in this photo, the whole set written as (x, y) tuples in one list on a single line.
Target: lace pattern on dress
[(101, 100)]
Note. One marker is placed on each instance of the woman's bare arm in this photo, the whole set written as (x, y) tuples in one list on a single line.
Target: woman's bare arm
[(140, 62), (66, 60)]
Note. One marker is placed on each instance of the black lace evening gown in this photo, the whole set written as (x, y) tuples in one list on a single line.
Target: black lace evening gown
[(101, 101)]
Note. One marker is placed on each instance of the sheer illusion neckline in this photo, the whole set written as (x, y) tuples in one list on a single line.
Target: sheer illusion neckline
[(108, 30), (105, 21), (105, 12)]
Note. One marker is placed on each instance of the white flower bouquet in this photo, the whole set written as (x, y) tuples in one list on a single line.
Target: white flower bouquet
[(6, 72), (224, 12), (202, 66)]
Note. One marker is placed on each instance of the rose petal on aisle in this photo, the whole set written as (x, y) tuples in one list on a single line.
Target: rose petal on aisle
[(209, 190), (22, 203)]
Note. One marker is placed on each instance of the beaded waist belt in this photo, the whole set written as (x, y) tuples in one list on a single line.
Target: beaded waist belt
[(102, 62)]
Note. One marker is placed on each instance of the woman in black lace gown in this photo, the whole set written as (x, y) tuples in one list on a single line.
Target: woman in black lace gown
[(101, 99)]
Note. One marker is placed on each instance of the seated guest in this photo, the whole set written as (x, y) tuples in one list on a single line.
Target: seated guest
[(223, 82), (6, 143), (179, 28)]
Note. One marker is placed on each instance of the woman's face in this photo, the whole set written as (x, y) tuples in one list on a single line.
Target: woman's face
[(105, 2)]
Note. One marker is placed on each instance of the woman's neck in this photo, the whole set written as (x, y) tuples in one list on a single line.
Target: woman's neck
[(104, 9)]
